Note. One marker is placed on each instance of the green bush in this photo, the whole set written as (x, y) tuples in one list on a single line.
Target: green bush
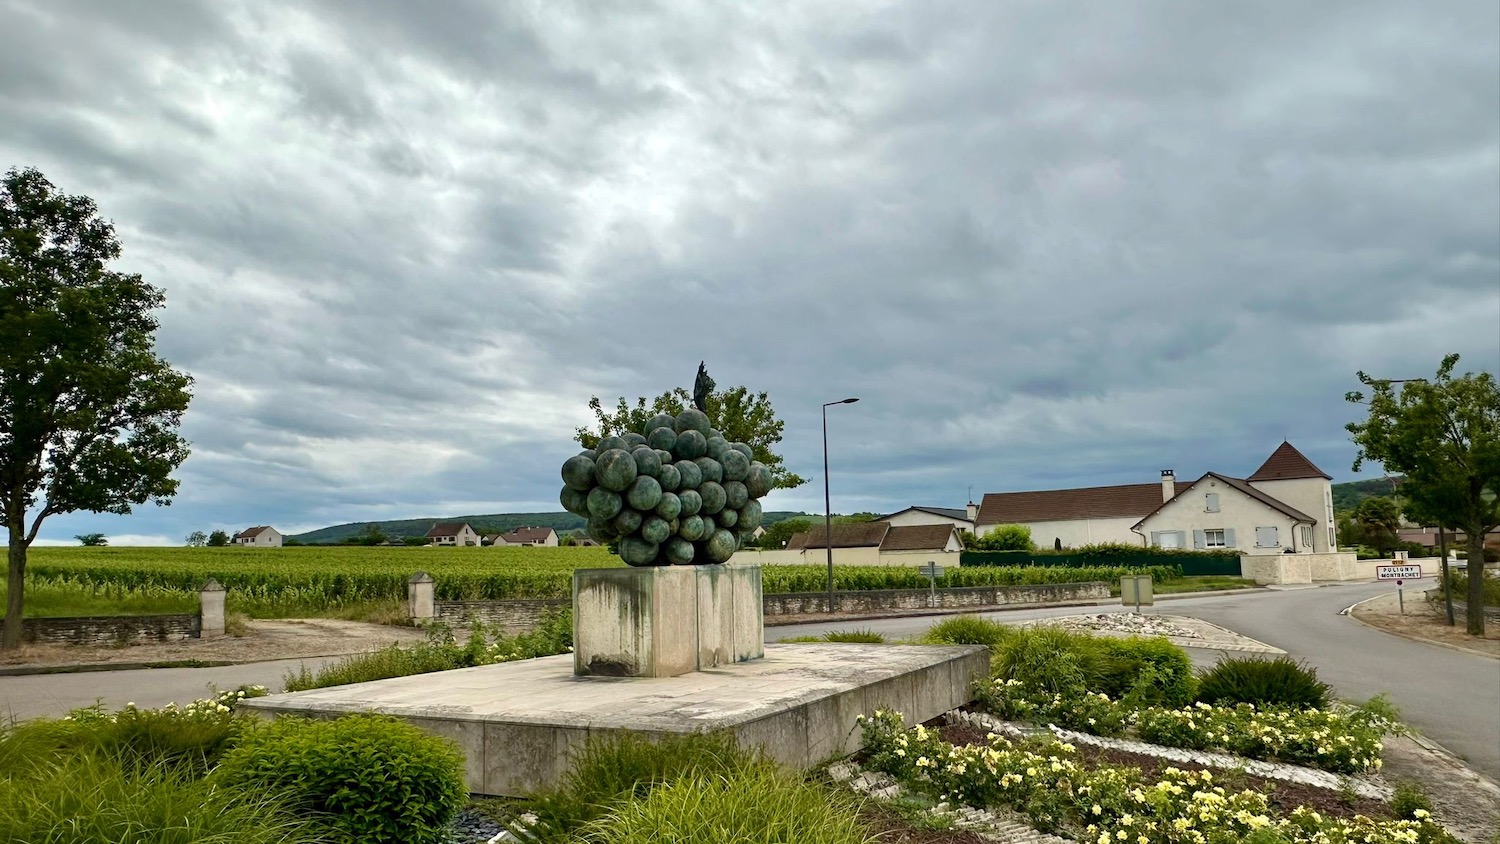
[(1144, 671), (368, 778), (1407, 799), (760, 804), (1005, 538), (614, 770), (1263, 682), (967, 630)]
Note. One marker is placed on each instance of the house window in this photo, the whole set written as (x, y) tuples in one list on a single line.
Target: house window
[(1211, 502), (1266, 537), (1213, 538), (1307, 536)]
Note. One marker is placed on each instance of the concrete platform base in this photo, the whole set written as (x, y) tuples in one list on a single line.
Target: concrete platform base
[(519, 723)]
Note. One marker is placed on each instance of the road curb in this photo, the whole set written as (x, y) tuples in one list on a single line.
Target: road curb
[(1349, 612), (91, 667)]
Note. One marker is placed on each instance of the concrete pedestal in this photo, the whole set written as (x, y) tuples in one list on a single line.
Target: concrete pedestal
[(665, 621)]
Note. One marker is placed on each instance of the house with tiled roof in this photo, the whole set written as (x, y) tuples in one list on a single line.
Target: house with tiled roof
[(963, 519), (453, 533), (1285, 506), (529, 537), (261, 536), (875, 543)]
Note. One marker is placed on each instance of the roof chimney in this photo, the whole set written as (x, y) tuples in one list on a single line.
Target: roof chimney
[(972, 512), (1168, 484)]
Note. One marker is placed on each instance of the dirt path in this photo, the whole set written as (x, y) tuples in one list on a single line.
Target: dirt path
[(1425, 622), (263, 640)]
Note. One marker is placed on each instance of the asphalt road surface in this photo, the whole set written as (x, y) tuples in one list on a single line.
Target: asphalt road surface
[(1450, 696)]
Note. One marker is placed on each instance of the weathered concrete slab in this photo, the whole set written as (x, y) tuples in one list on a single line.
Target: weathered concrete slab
[(519, 723), (665, 621)]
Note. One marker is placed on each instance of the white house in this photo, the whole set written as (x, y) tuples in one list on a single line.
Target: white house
[(870, 544), (263, 536), (911, 516), (1285, 505), (453, 533), (528, 536)]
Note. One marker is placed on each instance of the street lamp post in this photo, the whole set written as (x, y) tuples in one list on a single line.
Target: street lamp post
[(827, 506)]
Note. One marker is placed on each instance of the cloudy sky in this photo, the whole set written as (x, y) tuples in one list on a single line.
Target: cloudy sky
[(1046, 244)]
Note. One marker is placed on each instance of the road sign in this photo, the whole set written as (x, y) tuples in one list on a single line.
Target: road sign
[(932, 570), (1398, 572), (1136, 589)]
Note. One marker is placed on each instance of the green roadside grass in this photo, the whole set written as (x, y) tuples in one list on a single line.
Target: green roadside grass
[(71, 600), (1202, 583)]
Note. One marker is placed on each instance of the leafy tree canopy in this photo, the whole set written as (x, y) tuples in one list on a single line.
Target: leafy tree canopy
[(196, 539), (218, 539), (1380, 519), (89, 413), (1443, 435), (738, 414), (777, 534), (92, 540), (1005, 538)]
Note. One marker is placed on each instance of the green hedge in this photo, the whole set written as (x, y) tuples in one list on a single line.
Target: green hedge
[(1190, 563)]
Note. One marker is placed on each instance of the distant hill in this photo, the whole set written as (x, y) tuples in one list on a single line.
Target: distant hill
[(562, 522), (1346, 496)]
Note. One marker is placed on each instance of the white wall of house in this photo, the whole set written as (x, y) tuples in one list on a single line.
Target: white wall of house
[(909, 518), (1241, 523), (550, 541), (1313, 496), (465, 536), (1076, 532)]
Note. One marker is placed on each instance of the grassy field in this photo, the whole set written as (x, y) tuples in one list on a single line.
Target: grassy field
[(359, 581)]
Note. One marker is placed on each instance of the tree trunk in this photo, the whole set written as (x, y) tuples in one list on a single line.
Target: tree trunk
[(1475, 598), (16, 584)]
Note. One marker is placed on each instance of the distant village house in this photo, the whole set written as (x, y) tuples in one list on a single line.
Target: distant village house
[(453, 533), (263, 536), (535, 537)]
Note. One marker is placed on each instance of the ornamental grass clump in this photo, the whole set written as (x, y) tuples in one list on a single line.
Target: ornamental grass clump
[(760, 804), (1046, 781), (967, 630), (1142, 671), (1263, 682)]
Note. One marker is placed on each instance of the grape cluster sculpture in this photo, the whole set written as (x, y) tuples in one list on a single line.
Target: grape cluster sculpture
[(675, 493)]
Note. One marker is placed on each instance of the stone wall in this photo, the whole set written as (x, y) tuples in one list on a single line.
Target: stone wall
[(110, 630), (876, 600), (511, 617)]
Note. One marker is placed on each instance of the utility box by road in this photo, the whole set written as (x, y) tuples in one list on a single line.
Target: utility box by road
[(1136, 589)]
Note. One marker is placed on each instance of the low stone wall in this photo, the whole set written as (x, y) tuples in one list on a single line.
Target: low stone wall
[(1277, 569), (512, 617), (110, 630), (876, 600)]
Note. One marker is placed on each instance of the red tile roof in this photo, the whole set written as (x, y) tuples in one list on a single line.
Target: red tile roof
[(917, 538), (523, 535), (1285, 464), (249, 532), (855, 535), (1055, 505), (447, 529)]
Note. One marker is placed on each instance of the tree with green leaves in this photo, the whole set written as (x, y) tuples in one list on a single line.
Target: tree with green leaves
[(1443, 435), (218, 539), (1379, 518), (777, 534), (92, 540), (196, 539), (737, 413), (89, 414), (1005, 538)]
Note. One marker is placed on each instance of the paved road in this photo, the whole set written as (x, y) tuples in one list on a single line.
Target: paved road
[(1451, 697), (55, 694)]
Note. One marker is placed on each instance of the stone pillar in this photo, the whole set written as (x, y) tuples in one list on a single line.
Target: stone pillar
[(664, 621), (210, 609), (419, 597)]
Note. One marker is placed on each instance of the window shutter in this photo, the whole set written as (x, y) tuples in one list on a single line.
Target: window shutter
[(1229, 538), (1211, 502), (1199, 541)]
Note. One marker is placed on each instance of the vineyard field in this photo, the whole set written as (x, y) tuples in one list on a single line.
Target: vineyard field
[(278, 582)]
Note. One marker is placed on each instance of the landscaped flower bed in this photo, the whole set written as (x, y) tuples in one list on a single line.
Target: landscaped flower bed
[(1343, 741), (1046, 781)]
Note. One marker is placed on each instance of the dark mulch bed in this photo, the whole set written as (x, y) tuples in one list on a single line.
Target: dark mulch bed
[(1284, 796), (894, 829)]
